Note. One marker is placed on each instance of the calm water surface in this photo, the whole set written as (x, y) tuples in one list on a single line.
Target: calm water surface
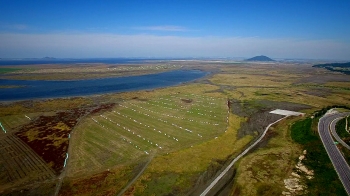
[(51, 89)]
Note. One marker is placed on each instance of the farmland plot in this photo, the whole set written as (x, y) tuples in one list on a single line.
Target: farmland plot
[(11, 122), (20, 164), (139, 128)]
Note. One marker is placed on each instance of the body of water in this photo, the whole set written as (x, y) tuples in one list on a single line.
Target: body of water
[(6, 62), (52, 89)]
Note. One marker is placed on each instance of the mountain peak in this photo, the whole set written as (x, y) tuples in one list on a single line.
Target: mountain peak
[(260, 58)]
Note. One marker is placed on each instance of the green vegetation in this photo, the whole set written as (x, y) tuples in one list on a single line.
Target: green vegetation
[(341, 129), (77, 71), (325, 181), (263, 171), (105, 183), (8, 70), (188, 165), (301, 132), (344, 135), (339, 67), (102, 163), (140, 127), (325, 109)]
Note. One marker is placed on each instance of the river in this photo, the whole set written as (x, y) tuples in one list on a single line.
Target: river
[(34, 89)]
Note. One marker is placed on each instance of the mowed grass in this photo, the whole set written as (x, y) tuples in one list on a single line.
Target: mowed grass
[(139, 128), (177, 173)]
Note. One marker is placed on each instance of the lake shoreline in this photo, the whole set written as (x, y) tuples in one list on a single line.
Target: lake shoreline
[(204, 75)]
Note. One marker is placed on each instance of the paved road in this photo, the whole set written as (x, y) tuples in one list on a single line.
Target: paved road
[(341, 166), (206, 191), (336, 136)]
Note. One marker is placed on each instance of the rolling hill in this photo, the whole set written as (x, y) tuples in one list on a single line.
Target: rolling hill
[(260, 58)]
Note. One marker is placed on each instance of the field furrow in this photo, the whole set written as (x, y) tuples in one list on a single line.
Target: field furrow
[(20, 163), (135, 129)]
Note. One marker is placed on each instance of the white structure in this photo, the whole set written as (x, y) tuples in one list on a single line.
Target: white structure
[(287, 113)]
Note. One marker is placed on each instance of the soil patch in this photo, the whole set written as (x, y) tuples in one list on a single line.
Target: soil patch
[(257, 114), (48, 136), (187, 100)]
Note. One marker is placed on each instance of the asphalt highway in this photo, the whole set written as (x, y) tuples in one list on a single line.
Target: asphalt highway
[(336, 136), (341, 166)]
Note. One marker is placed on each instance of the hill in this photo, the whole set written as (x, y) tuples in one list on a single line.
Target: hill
[(48, 58), (260, 58)]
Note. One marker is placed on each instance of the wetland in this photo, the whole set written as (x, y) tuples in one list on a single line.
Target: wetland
[(171, 139)]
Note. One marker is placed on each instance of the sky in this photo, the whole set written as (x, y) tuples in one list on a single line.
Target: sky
[(304, 29)]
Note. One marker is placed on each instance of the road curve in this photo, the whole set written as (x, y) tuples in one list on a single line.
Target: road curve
[(335, 134), (341, 166), (206, 191)]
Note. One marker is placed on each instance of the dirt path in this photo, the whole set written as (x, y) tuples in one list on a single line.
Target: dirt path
[(59, 183), (136, 177), (206, 191)]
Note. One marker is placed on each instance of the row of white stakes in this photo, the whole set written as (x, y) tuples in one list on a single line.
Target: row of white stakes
[(154, 128), (183, 108), (182, 118), (125, 128), (162, 120), (123, 138)]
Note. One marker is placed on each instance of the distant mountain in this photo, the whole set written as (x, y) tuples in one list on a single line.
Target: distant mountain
[(49, 58), (260, 58)]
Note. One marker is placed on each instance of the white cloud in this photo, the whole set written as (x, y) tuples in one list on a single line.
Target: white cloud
[(115, 45)]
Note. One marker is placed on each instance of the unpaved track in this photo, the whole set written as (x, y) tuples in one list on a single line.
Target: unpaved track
[(206, 191), (136, 177)]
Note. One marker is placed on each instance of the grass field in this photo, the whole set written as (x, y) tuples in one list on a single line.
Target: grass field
[(185, 132), (262, 171), (143, 127), (179, 172)]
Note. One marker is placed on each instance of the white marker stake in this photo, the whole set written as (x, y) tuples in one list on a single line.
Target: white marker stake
[(2, 127), (27, 117), (65, 161)]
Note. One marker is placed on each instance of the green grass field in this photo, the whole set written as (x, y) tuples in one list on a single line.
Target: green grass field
[(138, 128)]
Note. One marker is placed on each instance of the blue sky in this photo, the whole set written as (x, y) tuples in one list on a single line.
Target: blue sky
[(178, 28)]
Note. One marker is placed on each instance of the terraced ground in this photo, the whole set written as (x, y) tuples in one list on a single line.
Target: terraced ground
[(19, 163), (139, 128)]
